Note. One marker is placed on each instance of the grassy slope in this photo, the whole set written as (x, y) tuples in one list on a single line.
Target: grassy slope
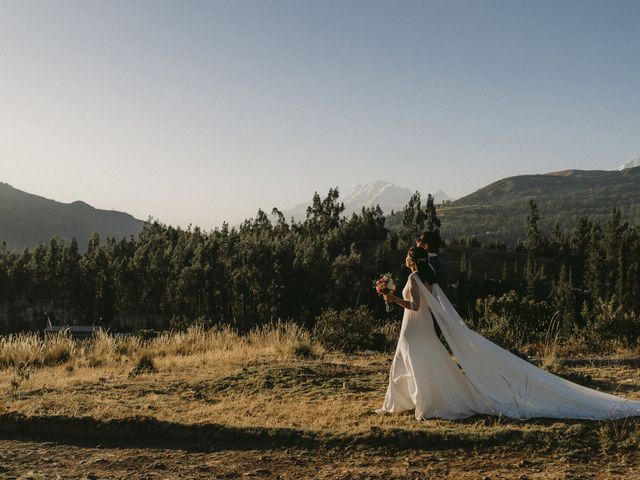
[(499, 210)]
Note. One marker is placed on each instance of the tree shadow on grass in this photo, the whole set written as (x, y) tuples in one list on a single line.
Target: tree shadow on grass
[(149, 433)]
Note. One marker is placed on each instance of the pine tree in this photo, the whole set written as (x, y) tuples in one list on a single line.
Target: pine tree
[(557, 242), (595, 275), (531, 277), (612, 245), (623, 266), (579, 247), (412, 222), (324, 214), (563, 300), (465, 267), (533, 241), (504, 276), (432, 221)]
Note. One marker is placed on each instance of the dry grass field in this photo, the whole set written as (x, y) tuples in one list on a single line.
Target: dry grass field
[(272, 404)]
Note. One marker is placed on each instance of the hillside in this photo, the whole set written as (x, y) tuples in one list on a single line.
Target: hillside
[(26, 219), (499, 210)]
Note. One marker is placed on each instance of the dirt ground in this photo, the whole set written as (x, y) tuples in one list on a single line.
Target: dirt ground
[(289, 418), (28, 459)]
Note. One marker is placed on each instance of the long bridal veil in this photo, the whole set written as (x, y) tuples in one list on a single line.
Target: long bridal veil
[(507, 385)]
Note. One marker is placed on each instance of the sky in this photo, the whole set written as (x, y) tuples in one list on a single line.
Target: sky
[(199, 112)]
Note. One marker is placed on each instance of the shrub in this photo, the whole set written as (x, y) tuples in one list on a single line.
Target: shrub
[(513, 320), (609, 322), (350, 330), (188, 342), (128, 345), (57, 349), (145, 364), (285, 338), (391, 332), (34, 350), (101, 349)]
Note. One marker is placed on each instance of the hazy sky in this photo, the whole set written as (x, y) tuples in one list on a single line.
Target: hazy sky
[(199, 112)]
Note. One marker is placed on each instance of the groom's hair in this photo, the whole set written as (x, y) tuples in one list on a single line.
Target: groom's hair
[(430, 238)]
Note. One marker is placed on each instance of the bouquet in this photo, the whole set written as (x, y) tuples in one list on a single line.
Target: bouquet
[(385, 284)]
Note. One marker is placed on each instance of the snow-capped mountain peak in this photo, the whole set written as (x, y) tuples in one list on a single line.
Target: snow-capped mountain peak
[(630, 164), (386, 194), (390, 197), (376, 193)]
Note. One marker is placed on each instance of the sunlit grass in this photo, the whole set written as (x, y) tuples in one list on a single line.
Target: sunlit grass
[(275, 376), (282, 339)]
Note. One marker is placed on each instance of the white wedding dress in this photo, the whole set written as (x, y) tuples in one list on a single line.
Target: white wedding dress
[(486, 378)]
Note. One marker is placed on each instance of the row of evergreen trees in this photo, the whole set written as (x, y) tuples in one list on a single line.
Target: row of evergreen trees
[(586, 281), (268, 268), (594, 262)]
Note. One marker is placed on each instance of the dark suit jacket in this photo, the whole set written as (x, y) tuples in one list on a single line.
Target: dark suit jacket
[(441, 271)]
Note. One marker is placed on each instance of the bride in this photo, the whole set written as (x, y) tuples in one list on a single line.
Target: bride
[(483, 378)]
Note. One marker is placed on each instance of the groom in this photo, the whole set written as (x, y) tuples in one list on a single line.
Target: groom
[(430, 241)]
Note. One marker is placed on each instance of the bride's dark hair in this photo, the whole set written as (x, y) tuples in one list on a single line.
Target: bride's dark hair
[(421, 258)]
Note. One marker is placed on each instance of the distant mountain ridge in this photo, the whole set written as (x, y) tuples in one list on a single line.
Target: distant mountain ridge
[(27, 219), (496, 212), (390, 197), (499, 210)]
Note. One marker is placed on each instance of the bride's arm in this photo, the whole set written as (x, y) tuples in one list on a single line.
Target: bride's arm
[(413, 304)]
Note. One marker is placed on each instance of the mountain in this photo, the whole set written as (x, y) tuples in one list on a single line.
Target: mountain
[(389, 196), (27, 219), (385, 194), (630, 164), (499, 210)]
